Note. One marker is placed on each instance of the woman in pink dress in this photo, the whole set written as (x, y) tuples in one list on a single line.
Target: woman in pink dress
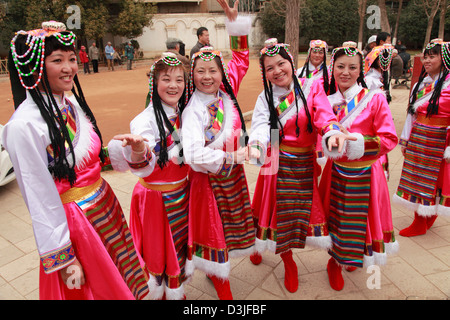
[(425, 181), (214, 140), (315, 67), (354, 188), (85, 247), (288, 117), (160, 200)]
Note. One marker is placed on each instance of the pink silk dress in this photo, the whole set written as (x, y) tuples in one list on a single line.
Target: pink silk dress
[(83, 221), (220, 220), (286, 204), (360, 221)]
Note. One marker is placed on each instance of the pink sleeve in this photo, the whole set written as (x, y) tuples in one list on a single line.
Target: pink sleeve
[(323, 116), (384, 125), (237, 68)]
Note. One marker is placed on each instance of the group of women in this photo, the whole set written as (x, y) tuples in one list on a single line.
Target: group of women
[(191, 207)]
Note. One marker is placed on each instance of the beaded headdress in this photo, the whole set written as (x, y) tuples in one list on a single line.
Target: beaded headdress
[(378, 52), (350, 48), (445, 51), (35, 54), (317, 44), (272, 48), (206, 54), (170, 59)]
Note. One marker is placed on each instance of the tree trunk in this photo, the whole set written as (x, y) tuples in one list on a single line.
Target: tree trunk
[(362, 14), (292, 27), (433, 10), (384, 18), (394, 40), (442, 19)]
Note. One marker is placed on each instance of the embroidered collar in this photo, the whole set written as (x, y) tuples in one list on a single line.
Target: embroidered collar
[(351, 92)]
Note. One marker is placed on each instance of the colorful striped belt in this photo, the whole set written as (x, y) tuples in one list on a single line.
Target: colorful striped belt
[(356, 164), (162, 187), (433, 121), (79, 193), (286, 148)]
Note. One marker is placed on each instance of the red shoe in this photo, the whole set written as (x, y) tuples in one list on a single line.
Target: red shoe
[(430, 221), (350, 269), (222, 288), (290, 272), (417, 228), (256, 258), (335, 275)]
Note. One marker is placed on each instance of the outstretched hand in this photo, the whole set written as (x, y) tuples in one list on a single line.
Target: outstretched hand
[(231, 13), (338, 140), (136, 142)]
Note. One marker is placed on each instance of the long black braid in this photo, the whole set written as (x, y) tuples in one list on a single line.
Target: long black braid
[(60, 167), (433, 103), (274, 121)]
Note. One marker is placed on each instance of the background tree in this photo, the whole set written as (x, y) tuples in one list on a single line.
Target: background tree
[(385, 26), (292, 27), (430, 7), (362, 5), (133, 17)]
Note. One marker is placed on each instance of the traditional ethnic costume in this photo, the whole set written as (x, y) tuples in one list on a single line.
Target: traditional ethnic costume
[(220, 220), (374, 79), (425, 181), (77, 217), (160, 200), (354, 188), (311, 72), (286, 205)]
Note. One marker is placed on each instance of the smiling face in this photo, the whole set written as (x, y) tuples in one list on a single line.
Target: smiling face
[(346, 71), (61, 67), (432, 63), (207, 76), (316, 56), (170, 85), (278, 71)]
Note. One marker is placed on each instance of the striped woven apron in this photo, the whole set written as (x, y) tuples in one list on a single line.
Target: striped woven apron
[(233, 202), (103, 211), (423, 158), (349, 208), (294, 197)]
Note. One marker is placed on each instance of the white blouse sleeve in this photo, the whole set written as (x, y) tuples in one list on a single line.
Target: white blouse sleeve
[(26, 146), (260, 129)]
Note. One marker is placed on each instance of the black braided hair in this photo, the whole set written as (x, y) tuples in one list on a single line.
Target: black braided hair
[(274, 121), (433, 103), (162, 120), (360, 79), (42, 95)]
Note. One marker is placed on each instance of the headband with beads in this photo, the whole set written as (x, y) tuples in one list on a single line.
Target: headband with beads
[(36, 47), (445, 51), (350, 48), (206, 54), (378, 52), (317, 44), (170, 59), (271, 49)]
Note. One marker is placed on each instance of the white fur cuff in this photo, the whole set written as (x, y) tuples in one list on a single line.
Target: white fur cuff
[(239, 27), (118, 161), (355, 149), (333, 154), (447, 153)]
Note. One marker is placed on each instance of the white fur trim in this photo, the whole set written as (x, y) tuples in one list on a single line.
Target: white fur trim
[(443, 211), (424, 211), (220, 270), (323, 242), (334, 154), (239, 27), (265, 245), (347, 123), (241, 253), (189, 268), (447, 153), (118, 161), (355, 149), (392, 247), (322, 161), (174, 294), (156, 292)]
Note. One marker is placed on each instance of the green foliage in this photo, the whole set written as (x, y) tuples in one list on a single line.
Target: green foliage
[(133, 17)]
